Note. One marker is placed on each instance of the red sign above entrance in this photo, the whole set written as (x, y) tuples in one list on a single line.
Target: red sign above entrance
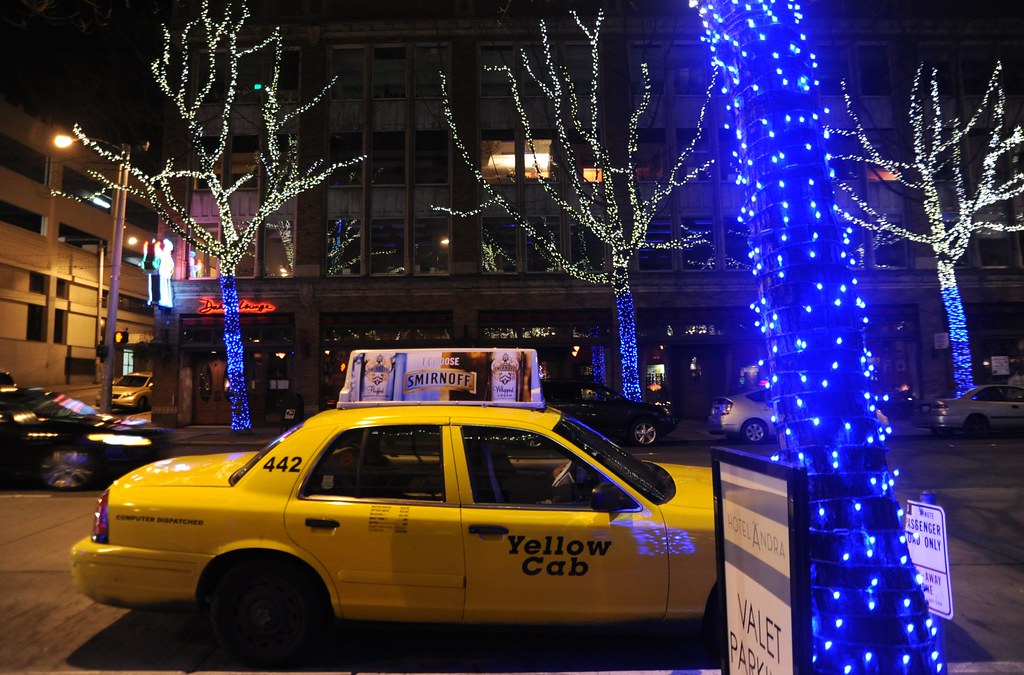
[(213, 306)]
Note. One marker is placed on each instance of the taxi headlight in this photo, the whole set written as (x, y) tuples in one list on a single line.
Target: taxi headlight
[(120, 439)]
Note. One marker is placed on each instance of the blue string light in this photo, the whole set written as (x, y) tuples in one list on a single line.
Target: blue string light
[(240, 419), (868, 609)]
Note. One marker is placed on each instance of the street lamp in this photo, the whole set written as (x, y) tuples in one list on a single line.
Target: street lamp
[(117, 244)]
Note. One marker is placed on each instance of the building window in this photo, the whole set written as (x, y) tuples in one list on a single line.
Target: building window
[(993, 248), (22, 159), (389, 72), (62, 288), (832, 70), (346, 146), (689, 64), (431, 60), (494, 79), (737, 248), (60, 326), (700, 254), (347, 69), (279, 249), (244, 153), (387, 246), (890, 255), (654, 56), (498, 244), (288, 78), (498, 155), (658, 232), (86, 189), (696, 157), (586, 248), (873, 62), (387, 159), (650, 154), (431, 157), (343, 247), (548, 231), (431, 246), (34, 324), (37, 283)]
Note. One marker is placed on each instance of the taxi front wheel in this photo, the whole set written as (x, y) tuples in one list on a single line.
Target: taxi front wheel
[(268, 613)]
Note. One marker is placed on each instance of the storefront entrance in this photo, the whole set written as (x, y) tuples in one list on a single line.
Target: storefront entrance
[(210, 403)]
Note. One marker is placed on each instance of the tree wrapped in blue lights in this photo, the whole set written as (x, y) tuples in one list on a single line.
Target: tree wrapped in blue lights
[(605, 195), (189, 73), (868, 609), (956, 205)]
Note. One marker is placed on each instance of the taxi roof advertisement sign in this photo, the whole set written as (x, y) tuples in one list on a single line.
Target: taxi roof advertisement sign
[(506, 377)]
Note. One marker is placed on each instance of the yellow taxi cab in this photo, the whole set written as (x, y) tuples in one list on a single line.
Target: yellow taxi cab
[(407, 511)]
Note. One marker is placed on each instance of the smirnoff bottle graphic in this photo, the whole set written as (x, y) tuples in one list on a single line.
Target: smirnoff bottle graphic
[(378, 380), (505, 374)]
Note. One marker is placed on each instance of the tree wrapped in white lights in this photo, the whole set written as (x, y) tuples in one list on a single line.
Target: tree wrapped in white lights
[(195, 89), (868, 609), (955, 205), (611, 202)]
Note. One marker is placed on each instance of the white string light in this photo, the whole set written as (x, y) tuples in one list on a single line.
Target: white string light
[(593, 204)]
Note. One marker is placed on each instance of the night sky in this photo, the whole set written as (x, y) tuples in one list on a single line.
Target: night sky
[(96, 74)]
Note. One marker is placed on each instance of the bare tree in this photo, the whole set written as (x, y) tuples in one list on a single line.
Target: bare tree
[(955, 205), (604, 192), (187, 74)]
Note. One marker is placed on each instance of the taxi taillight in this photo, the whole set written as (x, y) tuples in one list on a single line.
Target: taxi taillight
[(100, 526)]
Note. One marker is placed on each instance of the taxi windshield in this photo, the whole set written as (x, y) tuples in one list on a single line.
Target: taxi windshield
[(648, 479)]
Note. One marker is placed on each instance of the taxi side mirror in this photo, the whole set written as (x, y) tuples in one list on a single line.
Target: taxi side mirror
[(607, 498)]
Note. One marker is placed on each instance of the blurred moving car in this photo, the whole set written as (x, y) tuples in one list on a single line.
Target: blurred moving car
[(67, 444), (610, 412), (745, 415), (134, 390), (990, 407), (431, 513)]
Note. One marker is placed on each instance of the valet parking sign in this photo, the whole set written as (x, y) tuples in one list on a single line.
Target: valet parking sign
[(926, 538), (763, 568)]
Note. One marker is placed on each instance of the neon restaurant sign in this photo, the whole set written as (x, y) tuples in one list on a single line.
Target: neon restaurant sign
[(214, 306)]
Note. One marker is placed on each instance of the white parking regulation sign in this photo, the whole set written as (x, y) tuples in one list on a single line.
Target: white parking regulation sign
[(926, 537)]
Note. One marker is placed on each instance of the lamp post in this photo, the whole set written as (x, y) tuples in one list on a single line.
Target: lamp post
[(117, 244)]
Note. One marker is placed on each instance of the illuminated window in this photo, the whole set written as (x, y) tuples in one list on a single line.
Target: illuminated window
[(498, 155)]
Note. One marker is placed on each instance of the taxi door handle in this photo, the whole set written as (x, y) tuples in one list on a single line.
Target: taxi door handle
[(488, 529), (323, 523)]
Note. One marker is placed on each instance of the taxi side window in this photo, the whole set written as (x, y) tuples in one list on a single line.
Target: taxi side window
[(512, 466), (393, 462)]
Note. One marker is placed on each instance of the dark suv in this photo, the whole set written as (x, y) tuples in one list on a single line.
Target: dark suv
[(609, 412)]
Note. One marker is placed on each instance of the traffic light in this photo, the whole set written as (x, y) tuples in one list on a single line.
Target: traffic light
[(121, 338)]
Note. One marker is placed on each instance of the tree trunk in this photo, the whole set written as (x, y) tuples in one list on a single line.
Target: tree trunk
[(625, 321), (959, 340), (869, 611), (237, 393)]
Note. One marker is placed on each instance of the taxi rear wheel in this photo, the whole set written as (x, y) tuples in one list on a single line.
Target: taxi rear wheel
[(268, 613), (68, 468)]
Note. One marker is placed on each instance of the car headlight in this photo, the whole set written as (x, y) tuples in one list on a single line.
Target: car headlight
[(120, 439)]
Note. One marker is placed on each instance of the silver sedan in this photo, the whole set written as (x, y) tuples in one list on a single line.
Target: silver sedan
[(991, 407)]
